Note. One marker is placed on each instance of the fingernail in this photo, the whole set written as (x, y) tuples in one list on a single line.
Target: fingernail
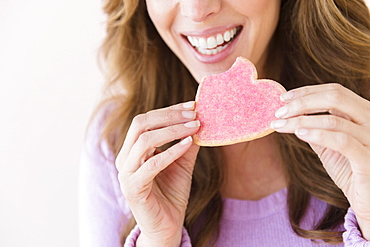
[(188, 114), (287, 96), (278, 123), (186, 140), (301, 132), (188, 105), (192, 124), (281, 112)]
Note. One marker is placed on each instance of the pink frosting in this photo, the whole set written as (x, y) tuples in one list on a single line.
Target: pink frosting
[(234, 106)]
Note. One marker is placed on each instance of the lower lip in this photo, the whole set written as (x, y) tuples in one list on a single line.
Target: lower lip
[(216, 57)]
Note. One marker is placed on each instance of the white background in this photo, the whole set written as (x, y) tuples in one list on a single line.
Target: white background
[(49, 84)]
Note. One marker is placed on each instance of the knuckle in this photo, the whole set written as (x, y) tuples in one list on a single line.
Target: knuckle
[(172, 107), (331, 122), (144, 138), (305, 90), (172, 130), (171, 153), (118, 163), (139, 120), (168, 114), (342, 141), (318, 136), (124, 186), (153, 163), (335, 96), (301, 121), (335, 86), (302, 103)]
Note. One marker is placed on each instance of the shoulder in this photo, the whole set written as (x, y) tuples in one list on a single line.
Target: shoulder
[(97, 164), (103, 210), (93, 142)]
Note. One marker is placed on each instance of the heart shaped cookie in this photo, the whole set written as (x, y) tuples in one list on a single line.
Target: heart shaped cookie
[(235, 107)]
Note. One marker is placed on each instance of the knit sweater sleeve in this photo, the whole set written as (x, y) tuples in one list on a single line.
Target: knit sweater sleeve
[(103, 210), (131, 239), (352, 236)]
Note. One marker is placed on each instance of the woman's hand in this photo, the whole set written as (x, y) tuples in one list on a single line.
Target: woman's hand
[(157, 184), (341, 138)]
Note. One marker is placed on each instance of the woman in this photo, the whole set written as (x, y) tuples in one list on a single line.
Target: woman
[(290, 188)]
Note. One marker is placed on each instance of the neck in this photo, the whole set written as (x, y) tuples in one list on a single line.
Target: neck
[(253, 169)]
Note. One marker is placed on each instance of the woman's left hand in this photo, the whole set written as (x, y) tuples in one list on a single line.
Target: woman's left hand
[(341, 138)]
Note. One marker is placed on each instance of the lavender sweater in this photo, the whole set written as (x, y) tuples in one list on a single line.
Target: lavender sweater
[(104, 211)]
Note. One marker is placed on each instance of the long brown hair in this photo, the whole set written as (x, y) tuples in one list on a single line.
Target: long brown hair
[(315, 42)]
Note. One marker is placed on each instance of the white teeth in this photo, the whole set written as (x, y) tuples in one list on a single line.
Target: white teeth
[(233, 32), (219, 39), (203, 43), (211, 45), (227, 36), (196, 42), (212, 51), (201, 50), (191, 40), (211, 42)]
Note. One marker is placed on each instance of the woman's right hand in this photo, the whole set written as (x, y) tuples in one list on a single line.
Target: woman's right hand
[(157, 184)]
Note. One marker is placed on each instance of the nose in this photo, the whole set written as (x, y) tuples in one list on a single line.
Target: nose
[(199, 10)]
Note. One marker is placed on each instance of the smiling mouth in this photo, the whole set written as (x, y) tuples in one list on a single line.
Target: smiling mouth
[(214, 44)]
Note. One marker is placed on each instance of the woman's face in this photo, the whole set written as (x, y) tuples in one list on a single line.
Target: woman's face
[(208, 35)]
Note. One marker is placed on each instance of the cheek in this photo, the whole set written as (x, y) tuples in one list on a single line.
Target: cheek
[(261, 10), (263, 16), (153, 11), (161, 13), (271, 10)]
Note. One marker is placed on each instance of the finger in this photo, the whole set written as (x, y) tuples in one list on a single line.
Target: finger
[(332, 98), (352, 149), (187, 160), (153, 139), (144, 176), (311, 89), (326, 122), (155, 119), (159, 118), (301, 91)]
